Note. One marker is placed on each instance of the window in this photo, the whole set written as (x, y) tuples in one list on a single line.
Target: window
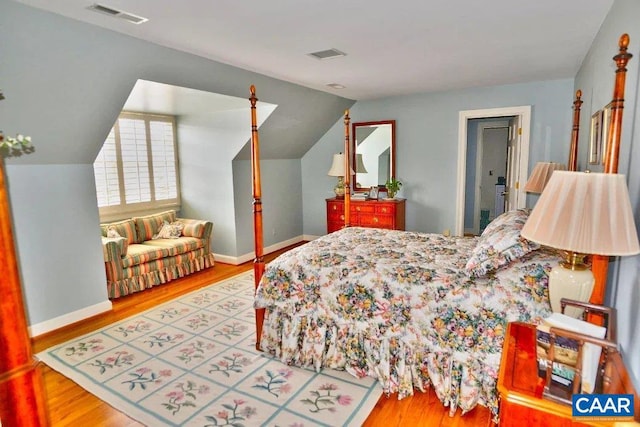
[(136, 169)]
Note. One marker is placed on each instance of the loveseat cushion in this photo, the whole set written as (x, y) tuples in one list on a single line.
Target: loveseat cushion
[(125, 228), (159, 248), (178, 246), (149, 225), (139, 254)]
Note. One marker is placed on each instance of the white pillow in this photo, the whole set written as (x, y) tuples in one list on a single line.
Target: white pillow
[(170, 231), (112, 232)]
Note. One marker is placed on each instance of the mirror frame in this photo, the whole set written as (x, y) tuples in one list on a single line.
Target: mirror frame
[(392, 168)]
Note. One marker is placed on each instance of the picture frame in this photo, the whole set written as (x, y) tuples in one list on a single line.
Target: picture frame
[(606, 122), (373, 193), (595, 138)]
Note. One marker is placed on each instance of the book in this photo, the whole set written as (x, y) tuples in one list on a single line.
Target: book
[(566, 354)]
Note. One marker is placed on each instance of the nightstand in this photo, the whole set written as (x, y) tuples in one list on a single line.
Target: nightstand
[(520, 389)]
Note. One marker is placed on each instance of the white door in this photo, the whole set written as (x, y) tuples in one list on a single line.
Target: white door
[(514, 152)]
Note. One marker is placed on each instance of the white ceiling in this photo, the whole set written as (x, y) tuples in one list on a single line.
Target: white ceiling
[(392, 47)]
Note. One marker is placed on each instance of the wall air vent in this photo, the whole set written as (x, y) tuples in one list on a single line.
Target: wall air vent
[(129, 17), (327, 54)]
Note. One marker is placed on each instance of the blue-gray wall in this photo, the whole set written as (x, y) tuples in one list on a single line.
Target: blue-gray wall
[(427, 146), (595, 79), (280, 209)]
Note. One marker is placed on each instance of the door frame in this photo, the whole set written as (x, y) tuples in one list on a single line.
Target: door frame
[(524, 112), (496, 124)]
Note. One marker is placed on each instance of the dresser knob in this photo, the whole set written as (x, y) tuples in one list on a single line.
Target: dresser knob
[(384, 210), (375, 219), (342, 217), (358, 208), (335, 207)]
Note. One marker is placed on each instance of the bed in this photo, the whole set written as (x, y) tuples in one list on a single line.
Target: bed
[(413, 310)]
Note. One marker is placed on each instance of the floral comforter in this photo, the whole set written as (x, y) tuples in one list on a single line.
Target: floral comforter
[(400, 307)]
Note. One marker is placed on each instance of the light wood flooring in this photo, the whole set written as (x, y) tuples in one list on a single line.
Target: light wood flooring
[(71, 405)]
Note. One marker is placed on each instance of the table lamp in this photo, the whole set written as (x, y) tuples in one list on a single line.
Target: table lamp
[(581, 214), (540, 176), (337, 169)]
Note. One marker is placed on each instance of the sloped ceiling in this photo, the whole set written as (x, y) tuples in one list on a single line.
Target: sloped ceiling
[(66, 82)]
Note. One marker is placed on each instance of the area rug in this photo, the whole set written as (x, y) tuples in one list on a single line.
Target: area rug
[(192, 362)]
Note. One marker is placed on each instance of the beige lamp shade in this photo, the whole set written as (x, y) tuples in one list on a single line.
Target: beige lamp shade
[(541, 175), (581, 213), (337, 167), (588, 213), (360, 164)]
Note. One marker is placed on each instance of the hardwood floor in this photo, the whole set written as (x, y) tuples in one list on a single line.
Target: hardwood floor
[(71, 405)]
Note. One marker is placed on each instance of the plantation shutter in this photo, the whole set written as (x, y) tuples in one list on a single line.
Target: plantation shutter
[(135, 160), (163, 160), (137, 168), (105, 169)]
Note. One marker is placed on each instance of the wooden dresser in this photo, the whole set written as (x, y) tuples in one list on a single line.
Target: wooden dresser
[(385, 213), (520, 389)]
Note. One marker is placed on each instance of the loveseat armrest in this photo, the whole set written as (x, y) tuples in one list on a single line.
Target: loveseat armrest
[(198, 228), (114, 248)]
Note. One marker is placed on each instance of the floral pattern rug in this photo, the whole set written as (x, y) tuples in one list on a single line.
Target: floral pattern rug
[(192, 362)]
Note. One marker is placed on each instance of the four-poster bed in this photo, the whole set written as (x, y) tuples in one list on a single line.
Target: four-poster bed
[(414, 310)]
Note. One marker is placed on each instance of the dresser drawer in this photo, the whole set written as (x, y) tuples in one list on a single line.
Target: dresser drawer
[(335, 207), (335, 216), (362, 208), (378, 221), (387, 209)]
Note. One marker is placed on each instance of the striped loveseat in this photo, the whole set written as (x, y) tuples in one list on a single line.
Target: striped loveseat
[(136, 259)]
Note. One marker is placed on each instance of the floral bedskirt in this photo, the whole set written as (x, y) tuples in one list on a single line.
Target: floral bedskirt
[(399, 306)]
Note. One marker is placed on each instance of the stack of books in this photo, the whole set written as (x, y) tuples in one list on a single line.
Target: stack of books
[(359, 196)]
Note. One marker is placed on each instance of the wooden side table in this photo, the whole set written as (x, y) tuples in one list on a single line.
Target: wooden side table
[(520, 388)]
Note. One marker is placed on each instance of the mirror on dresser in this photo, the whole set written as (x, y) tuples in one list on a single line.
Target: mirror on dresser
[(373, 145)]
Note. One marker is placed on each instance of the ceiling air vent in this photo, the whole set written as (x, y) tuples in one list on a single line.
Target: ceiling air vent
[(327, 54), (129, 17)]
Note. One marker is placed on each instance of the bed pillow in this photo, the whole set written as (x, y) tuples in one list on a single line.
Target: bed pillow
[(500, 243)]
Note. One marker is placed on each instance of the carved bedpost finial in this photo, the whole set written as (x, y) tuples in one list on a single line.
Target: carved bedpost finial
[(624, 41), (253, 98), (623, 57), (572, 165)]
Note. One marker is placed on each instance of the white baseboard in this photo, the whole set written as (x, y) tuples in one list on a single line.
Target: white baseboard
[(69, 318), (268, 249)]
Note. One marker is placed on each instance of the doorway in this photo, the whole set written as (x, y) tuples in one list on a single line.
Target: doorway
[(486, 174), (517, 122)]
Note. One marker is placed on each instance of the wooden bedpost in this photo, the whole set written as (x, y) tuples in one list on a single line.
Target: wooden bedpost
[(347, 171), (258, 262), (573, 150), (22, 396), (599, 263)]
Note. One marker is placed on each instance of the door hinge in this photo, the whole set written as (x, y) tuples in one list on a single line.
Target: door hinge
[(519, 131), (517, 185)]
